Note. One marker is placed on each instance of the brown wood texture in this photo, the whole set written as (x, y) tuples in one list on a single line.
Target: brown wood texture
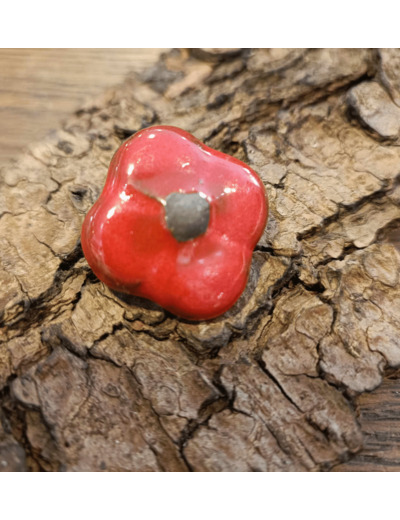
[(282, 381), (379, 417), (40, 87)]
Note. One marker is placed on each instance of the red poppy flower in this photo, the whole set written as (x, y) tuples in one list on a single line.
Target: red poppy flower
[(176, 223)]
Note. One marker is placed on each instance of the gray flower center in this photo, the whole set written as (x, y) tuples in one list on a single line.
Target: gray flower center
[(186, 215)]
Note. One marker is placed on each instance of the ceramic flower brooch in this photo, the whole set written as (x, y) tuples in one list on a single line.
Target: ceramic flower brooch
[(176, 223)]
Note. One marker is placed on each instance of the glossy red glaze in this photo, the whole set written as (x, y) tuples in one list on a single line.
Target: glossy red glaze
[(127, 244)]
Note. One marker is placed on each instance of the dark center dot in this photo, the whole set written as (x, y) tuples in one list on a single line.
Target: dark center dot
[(186, 215)]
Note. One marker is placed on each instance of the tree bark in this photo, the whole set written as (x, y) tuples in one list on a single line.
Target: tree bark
[(91, 381)]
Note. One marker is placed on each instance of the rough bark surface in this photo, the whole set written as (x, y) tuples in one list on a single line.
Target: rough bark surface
[(91, 381)]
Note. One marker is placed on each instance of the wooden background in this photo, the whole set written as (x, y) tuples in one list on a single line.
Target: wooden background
[(39, 87)]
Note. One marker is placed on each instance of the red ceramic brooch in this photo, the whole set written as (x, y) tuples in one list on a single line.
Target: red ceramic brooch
[(176, 223)]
